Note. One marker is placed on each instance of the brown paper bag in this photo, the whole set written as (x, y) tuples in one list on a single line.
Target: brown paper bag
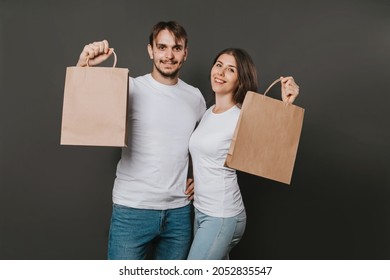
[(95, 106), (266, 138)]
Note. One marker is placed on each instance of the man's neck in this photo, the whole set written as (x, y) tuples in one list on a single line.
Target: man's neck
[(169, 81)]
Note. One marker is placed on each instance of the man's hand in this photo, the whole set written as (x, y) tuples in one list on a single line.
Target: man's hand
[(95, 53)]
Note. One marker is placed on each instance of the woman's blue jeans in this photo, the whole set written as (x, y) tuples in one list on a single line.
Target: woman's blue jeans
[(133, 230), (214, 237)]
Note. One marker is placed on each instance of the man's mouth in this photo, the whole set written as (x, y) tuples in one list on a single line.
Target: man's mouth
[(168, 62)]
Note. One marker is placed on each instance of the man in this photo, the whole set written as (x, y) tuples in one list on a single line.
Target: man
[(150, 199)]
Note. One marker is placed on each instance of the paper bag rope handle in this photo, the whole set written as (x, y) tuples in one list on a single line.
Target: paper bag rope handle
[(276, 81), (115, 59)]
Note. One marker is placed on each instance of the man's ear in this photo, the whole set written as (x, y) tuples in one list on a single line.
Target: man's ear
[(150, 51), (186, 53)]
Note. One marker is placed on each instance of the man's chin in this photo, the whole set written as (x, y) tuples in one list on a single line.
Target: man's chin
[(170, 74)]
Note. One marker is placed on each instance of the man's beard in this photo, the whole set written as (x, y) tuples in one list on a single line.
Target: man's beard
[(171, 75)]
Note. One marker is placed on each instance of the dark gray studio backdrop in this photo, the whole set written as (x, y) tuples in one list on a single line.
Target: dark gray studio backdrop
[(55, 201)]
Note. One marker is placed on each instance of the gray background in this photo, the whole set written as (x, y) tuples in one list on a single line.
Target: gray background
[(55, 201)]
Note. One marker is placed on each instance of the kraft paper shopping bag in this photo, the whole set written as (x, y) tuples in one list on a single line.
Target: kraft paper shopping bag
[(266, 137), (95, 106)]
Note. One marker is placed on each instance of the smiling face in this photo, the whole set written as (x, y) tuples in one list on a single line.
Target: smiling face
[(224, 75), (168, 56)]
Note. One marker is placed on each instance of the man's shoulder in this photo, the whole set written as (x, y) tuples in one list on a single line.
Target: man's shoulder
[(140, 81), (140, 78), (186, 85), (189, 88)]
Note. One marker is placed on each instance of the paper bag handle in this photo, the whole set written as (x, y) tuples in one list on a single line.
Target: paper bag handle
[(115, 59), (275, 82)]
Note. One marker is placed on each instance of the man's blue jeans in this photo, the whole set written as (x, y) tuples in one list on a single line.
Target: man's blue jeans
[(133, 230)]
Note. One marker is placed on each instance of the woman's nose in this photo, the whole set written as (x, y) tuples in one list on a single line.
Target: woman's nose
[(221, 71)]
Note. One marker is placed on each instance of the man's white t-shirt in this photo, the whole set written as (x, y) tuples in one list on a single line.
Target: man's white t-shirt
[(217, 192), (152, 171)]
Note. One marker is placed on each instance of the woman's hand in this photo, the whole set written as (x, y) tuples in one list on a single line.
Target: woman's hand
[(290, 89), (190, 189)]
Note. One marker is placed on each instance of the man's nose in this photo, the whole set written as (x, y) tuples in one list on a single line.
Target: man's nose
[(169, 53)]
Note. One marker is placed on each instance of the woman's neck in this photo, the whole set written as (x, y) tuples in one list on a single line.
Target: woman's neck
[(223, 103)]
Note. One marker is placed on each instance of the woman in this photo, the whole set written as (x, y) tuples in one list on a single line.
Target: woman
[(220, 216)]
